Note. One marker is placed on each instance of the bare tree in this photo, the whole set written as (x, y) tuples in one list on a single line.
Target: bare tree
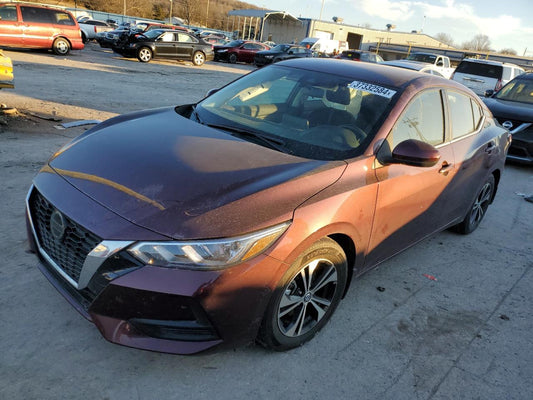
[(509, 51), (478, 43), (444, 38)]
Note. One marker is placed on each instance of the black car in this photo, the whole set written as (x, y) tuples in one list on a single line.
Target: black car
[(281, 52), (166, 43), (513, 108)]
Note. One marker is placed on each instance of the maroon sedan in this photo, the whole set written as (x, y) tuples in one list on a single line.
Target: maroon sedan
[(239, 51), (246, 216)]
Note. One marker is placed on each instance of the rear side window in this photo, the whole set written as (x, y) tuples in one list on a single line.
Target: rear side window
[(62, 18), (8, 13), (481, 69), (465, 114)]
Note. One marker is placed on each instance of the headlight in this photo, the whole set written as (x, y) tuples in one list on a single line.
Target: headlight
[(207, 254), (222, 51), (269, 56)]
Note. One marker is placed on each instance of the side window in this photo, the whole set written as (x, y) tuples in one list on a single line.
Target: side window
[(423, 119), (35, 14), (184, 38), (8, 13), (507, 73), (63, 18), (465, 114), (167, 37)]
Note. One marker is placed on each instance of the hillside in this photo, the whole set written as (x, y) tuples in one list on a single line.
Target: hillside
[(210, 13)]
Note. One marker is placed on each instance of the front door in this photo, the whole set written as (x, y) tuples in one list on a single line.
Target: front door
[(412, 202)]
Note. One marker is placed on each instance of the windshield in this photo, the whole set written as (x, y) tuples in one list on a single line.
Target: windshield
[(281, 48), (152, 34), (234, 43), (427, 58), (519, 90), (311, 114)]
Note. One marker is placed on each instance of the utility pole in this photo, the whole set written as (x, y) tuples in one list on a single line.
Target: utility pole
[(170, 13), (321, 10)]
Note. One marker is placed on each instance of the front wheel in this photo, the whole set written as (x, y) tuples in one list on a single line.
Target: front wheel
[(198, 58), (144, 54), (61, 47), (232, 58), (479, 207), (306, 296)]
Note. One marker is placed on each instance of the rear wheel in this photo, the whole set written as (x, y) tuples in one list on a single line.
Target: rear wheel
[(198, 58), (232, 58), (479, 207), (144, 54), (83, 37), (306, 296), (61, 46)]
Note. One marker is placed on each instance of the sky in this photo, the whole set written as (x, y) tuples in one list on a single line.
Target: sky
[(507, 24)]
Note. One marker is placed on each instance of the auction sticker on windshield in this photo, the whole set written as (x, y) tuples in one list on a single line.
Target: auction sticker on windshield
[(374, 89)]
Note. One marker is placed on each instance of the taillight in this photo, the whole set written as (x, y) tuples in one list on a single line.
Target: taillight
[(94, 28), (499, 85)]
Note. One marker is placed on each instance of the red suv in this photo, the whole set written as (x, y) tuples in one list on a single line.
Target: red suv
[(29, 26)]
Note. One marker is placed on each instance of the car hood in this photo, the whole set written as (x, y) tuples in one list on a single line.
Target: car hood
[(185, 180), (510, 109)]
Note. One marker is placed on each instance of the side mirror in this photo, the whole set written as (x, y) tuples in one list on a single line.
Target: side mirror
[(212, 91), (489, 93), (415, 153)]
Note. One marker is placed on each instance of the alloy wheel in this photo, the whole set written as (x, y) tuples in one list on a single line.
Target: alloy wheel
[(307, 297)]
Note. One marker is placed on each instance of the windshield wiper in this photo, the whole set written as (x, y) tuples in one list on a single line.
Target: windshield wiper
[(274, 143)]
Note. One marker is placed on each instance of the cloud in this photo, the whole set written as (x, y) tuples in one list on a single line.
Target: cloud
[(386, 9)]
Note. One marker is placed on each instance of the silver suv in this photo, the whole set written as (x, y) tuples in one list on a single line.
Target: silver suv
[(483, 75)]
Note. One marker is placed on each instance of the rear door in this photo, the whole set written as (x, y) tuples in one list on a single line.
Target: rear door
[(10, 26), (413, 202), (185, 46)]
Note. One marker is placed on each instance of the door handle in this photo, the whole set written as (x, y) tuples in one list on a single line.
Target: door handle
[(445, 168)]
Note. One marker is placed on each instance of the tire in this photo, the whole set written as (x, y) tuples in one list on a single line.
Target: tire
[(478, 208), (61, 46), (232, 58), (84, 37), (198, 58), (299, 308), (144, 54)]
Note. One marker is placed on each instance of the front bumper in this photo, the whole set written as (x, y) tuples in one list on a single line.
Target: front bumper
[(147, 307)]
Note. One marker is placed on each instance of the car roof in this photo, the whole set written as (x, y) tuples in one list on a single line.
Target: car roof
[(371, 72), (490, 62)]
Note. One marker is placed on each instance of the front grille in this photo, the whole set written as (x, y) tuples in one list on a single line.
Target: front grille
[(68, 252)]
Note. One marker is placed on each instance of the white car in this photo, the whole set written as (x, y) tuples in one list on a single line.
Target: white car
[(416, 66), (483, 75)]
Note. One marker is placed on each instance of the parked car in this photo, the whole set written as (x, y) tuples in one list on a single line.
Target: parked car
[(122, 36), (25, 25), (415, 66), (239, 51), (281, 52), (6, 72), (165, 43), (360, 55), (247, 215), (483, 75), (91, 27), (512, 106)]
